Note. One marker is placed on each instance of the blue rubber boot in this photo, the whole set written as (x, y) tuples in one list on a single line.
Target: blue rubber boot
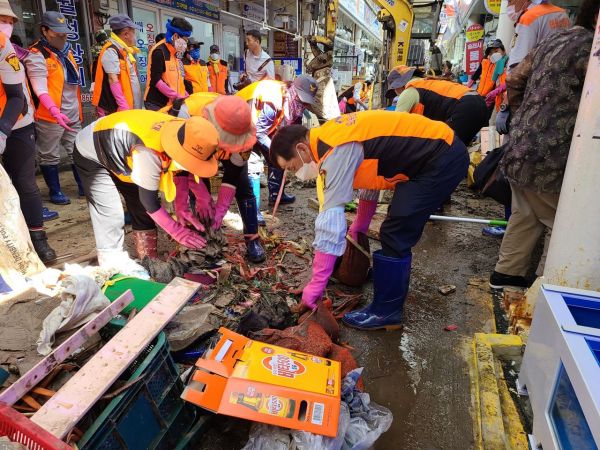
[(255, 184), (48, 215), (274, 183), (77, 180), (254, 250), (50, 174), (390, 286)]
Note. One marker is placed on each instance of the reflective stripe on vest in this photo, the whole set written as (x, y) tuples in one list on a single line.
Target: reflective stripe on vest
[(396, 145), (197, 74), (218, 80), (486, 84), (103, 96), (56, 82), (173, 74), (438, 97)]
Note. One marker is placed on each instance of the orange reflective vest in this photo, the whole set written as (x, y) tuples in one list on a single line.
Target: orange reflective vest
[(500, 98), (218, 73), (196, 73), (13, 60), (437, 98), (173, 74), (532, 14), (103, 96), (396, 145), (56, 82), (486, 84), (265, 92)]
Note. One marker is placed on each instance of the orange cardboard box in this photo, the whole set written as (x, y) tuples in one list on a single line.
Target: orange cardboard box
[(265, 383)]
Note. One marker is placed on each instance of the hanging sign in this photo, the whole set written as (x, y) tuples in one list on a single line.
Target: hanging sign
[(474, 33), (473, 56), (195, 7), (492, 6)]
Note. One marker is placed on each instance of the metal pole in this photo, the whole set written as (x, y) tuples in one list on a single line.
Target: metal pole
[(506, 27), (493, 222), (574, 253)]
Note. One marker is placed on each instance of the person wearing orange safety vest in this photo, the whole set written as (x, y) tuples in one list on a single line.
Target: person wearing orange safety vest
[(165, 70), (117, 86), (137, 154), (55, 78), (361, 95), (458, 106), (17, 134), (232, 118), (196, 71), (420, 159), (218, 72)]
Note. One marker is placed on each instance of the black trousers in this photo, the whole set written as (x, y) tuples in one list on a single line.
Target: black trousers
[(469, 116), (19, 162), (238, 177)]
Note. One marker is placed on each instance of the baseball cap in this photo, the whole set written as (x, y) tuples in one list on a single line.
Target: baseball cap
[(120, 21), (232, 117), (306, 87), (55, 21), (192, 144), (194, 41), (214, 48), (399, 76), (496, 43)]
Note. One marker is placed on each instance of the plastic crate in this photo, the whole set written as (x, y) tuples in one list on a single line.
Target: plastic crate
[(149, 414), (19, 428)]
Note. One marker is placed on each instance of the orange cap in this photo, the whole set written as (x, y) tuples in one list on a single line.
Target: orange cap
[(232, 118), (192, 144)]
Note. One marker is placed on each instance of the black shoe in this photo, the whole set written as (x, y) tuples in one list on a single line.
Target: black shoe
[(500, 281), (40, 244)]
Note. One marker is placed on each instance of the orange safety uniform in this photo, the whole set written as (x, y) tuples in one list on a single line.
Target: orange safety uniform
[(56, 82), (501, 97), (103, 96), (173, 75), (396, 145), (196, 74), (437, 98), (486, 84), (218, 73), (13, 60)]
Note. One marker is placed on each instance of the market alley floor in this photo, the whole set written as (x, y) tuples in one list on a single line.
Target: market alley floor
[(421, 372)]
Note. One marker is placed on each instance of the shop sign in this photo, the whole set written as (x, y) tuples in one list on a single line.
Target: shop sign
[(194, 7), (492, 6), (69, 10), (474, 54), (474, 33), (145, 40), (254, 12), (296, 63)]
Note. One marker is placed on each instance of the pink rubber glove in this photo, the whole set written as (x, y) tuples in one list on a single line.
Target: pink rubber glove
[(323, 264), (117, 92), (168, 91), (226, 193), (205, 206), (364, 215), (182, 205), (61, 119), (177, 231), (491, 96), (470, 83)]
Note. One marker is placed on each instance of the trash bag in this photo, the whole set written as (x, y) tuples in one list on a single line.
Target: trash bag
[(353, 268), (268, 437), (488, 179), (310, 441)]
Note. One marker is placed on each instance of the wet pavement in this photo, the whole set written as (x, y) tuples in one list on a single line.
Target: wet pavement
[(420, 373)]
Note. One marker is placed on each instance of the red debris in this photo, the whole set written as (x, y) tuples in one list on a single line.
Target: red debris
[(451, 328), (308, 337), (323, 316)]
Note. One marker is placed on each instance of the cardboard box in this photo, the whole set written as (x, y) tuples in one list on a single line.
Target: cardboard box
[(261, 382)]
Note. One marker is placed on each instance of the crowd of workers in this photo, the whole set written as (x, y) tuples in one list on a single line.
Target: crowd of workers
[(169, 140)]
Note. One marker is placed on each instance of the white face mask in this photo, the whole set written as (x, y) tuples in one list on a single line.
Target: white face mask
[(308, 171), (180, 45), (495, 57), (7, 29), (215, 56)]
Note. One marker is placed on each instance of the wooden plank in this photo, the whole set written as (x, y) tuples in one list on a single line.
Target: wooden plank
[(37, 373), (62, 412)]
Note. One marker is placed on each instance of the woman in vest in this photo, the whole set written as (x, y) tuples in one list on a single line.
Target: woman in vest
[(55, 79), (136, 154), (456, 105), (117, 86), (237, 135), (165, 69), (274, 103), (196, 71), (17, 135), (218, 72), (420, 159)]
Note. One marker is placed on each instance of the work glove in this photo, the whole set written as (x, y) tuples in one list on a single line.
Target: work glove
[(117, 92), (180, 233), (502, 121), (2, 142), (364, 215), (323, 264), (491, 96), (169, 92), (181, 203), (205, 206), (60, 118), (470, 83), (226, 193)]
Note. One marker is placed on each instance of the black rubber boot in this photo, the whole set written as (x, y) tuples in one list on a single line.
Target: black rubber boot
[(40, 244), (254, 250), (77, 180), (274, 182)]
